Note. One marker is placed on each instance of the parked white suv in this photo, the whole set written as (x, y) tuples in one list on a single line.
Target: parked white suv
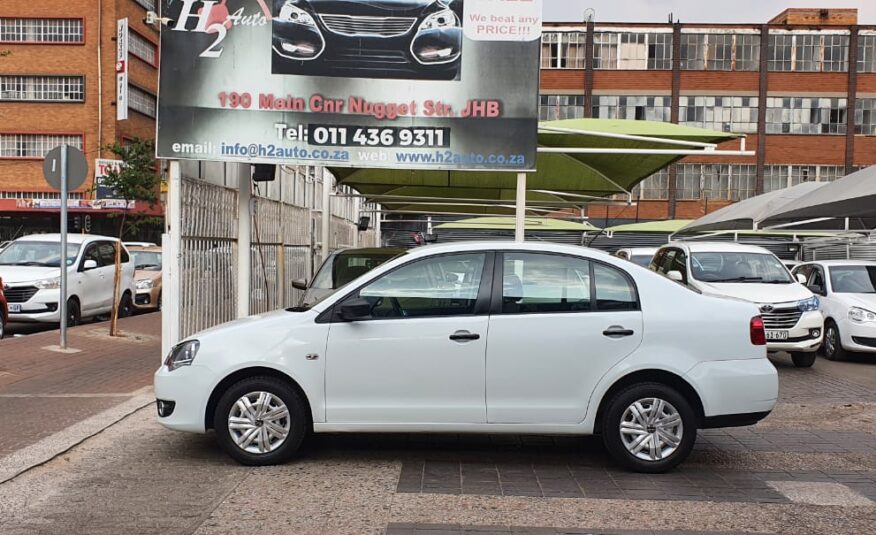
[(790, 311), (491, 337), (30, 269), (848, 302)]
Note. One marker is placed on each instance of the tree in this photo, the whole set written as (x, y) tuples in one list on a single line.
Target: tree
[(135, 181)]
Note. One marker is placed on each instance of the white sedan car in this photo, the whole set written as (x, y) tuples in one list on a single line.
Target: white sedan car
[(848, 302), (491, 337)]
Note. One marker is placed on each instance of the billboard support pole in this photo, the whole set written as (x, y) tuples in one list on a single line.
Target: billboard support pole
[(171, 247), (62, 303), (520, 208), (244, 245), (326, 213)]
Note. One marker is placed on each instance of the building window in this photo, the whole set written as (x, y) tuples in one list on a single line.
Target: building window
[(725, 114), (552, 107), (720, 52), (653, 188), (39, 195), (632, 51), (141, 101), (688, 182), (42, 88), (778, 177), (638, 107), (148, 5), (806, 115), (34, 145), (41, 30), (865, 116), (715, 182), (743, 182), (747, 51), (142, 48), (867, 53), (693, 52), (808, 52), (563, 50)]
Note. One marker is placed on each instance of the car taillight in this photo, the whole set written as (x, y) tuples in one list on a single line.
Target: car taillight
[(758, 334)]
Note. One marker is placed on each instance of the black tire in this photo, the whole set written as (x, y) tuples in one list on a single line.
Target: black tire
[(74, 313), (833, 343), (126, 306), (298, 423), (2, 326), (803, 360), (614, 415)]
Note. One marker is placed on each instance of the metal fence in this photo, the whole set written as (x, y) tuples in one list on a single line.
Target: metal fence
[(840, 249), (285, 247)]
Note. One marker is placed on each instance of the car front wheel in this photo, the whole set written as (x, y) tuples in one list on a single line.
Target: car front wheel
[(261, 421), (649, 427), (833, 344)]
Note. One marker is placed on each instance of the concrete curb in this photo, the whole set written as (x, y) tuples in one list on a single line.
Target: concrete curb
[(19, 462)]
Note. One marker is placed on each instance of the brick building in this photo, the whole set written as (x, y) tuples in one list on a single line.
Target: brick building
[(58, 85), (801, 86)]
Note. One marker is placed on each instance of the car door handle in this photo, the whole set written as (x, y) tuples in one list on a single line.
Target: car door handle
[(617, 332), (464, 336)]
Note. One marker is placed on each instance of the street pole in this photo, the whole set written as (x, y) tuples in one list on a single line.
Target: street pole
[(326, 214), (520, 209), (62, 304)]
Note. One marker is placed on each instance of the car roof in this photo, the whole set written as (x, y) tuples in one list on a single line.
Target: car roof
[(71, 238), (141, 248), (641, 250), (372, 251), (503, 245), (718, 247), (850, 262)]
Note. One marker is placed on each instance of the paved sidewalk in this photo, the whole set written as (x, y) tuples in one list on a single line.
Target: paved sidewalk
[(43, 392)]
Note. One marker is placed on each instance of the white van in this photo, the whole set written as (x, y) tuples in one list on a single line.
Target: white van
[(790, 311), (29, 267)]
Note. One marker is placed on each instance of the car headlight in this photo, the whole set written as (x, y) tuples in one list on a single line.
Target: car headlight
[(144, 284), (182, 354), (48, 284), (445, 18), (808, 305), (861, 315), (292, 13)]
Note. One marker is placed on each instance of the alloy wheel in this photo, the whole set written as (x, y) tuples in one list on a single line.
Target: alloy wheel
[(831, 339), (259, 422), (651, 429)]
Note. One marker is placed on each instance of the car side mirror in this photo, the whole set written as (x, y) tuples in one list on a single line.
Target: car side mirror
[(355, 310), (89, 264), (801, 278), (817, 289), (299, 284), (675, 275)]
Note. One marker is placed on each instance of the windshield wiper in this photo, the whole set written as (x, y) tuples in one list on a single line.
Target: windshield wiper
[(32, 263), (777, 281), (739, 279)]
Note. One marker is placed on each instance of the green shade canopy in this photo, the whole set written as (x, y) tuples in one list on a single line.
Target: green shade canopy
[(578, 174), (507, 223)]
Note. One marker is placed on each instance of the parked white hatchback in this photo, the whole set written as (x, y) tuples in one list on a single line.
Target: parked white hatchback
[(474, 337), (848, 302), (30, 269)]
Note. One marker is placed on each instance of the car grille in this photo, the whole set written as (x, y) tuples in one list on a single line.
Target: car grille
[(782, 318), (21, 294), (368, 26)]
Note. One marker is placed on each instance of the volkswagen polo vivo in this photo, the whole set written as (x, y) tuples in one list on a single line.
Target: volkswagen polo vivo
[(480, 338)]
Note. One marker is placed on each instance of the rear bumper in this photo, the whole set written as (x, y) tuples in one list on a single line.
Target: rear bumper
[(730, 388), (734, 420)]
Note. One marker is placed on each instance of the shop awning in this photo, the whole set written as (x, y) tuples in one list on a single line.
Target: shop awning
[(578, 160), (507, 223)]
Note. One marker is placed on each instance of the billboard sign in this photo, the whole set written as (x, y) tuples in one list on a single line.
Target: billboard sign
[(122, 69), (427, 84), (101, 169)]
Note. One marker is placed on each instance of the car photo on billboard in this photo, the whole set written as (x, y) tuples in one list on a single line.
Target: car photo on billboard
[(398, 39)]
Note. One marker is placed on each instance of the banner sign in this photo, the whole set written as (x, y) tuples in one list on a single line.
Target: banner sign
[(424, 84), (122, 69), (76, 204), (101, 169)]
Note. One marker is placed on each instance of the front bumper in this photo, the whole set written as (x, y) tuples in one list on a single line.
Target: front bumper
[(800, 337), (189, 388), (147, 299), (41, 307), (729, 388), (860, 337)]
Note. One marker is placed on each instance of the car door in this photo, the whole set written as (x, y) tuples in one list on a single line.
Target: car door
[(107, 269), (558, 324), (89, 281), (419, 358)]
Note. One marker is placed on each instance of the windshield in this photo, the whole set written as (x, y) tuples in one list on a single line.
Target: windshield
[(739, 267), (37, 253), (146, 260), (643, 260), (853, 279), (342, 268)]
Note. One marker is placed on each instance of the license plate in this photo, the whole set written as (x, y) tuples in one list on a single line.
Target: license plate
[(14, 309), (777, 335)]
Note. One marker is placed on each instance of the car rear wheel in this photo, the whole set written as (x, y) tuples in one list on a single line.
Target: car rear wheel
[(126, 306), (803, 360), (833, 343), (649, 427), (261, 421), (2, 327)]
